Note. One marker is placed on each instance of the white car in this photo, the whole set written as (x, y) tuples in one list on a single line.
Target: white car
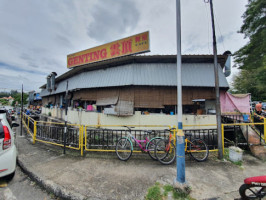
[(8, 151)]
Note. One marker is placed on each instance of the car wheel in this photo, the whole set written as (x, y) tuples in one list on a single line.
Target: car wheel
[(10, 176)]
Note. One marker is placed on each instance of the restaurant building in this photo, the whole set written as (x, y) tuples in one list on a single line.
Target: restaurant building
[(133, 84)]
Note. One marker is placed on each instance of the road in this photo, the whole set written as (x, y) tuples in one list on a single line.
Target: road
[(22, 188)]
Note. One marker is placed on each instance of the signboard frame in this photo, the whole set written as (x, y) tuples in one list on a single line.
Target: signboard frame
[(136, 44)]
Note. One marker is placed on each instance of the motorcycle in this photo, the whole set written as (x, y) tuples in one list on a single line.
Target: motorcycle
[(253, 188)]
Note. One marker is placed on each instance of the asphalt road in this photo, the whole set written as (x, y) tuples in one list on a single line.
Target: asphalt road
[(22, 188)]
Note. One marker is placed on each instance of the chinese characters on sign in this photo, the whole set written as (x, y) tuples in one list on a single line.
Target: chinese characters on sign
[(132, 45)]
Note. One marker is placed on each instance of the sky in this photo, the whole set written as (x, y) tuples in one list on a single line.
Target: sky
[(37, 35)]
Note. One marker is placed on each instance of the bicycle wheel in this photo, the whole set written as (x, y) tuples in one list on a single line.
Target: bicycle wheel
[(123, 149), (151, 147), (198, 150), (252, 192), (165, 151)]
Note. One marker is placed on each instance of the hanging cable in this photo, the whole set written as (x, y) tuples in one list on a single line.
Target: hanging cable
[(216, 19), (9, 89), (208, 26)]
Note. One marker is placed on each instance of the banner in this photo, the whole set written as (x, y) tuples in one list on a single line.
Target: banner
[(234, 103), (131, 45)]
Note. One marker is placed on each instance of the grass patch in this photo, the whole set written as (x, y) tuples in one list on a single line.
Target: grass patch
[(167, 189), (161, 192), (178, 194), (154, 193)]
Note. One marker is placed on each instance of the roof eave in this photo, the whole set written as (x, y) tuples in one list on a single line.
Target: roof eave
[(139, 59)]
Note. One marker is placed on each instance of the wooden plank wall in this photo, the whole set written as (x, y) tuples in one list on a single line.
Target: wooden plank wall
[(142, 96)]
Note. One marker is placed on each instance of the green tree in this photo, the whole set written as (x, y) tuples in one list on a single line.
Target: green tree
[(4, 102), (17, 98), (4, 94), (13, 93), (251, 58)]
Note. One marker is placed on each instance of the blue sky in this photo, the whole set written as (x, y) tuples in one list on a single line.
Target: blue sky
[(36, 36)]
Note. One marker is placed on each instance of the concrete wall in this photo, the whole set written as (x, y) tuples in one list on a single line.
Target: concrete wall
[(94, 118)]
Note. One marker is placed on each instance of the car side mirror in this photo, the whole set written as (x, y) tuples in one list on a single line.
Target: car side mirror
[(15, 125)]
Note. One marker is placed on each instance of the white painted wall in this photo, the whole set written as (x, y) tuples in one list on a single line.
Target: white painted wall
[(94, 118)]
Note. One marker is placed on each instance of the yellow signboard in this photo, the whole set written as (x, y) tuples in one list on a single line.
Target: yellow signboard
[(131, 45)]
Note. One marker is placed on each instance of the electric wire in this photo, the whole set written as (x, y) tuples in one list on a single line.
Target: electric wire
[(217, 22), (8, 90), (208, 20)]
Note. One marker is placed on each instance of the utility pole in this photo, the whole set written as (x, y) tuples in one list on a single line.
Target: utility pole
[(180, 137), (217, 92), (66, 106), (21, 111)]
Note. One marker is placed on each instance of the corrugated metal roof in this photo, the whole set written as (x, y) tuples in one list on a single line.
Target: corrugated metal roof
[(139, 59), (146, 74)]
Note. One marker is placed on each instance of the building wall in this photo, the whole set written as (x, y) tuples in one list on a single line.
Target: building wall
[(143, 96), (94, 118)]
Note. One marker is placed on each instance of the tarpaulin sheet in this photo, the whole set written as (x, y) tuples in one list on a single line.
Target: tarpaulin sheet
[(234, 103)]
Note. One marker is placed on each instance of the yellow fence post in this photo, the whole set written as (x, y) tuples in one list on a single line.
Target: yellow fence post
[(81, 140), (28, 121), (264, 129), (34, 132), (223, 138), (175, 131)]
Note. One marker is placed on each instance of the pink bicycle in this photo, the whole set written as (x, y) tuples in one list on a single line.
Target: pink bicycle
[(254, 188), (124, 146)]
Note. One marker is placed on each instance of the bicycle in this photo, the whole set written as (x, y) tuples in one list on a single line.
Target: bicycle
[(165, 149), (124, 146), (253, 188)]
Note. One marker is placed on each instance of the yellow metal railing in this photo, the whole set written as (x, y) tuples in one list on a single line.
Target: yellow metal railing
[(265, 130), (27, 123), (122, 127), (62, 145), (27, 120), (82, 132), (206, 125), (246, 124)]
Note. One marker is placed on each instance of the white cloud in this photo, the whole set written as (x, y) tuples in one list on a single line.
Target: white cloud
[(111, 19), (36, 36)]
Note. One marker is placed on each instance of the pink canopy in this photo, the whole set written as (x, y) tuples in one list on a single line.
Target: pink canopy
[(235, 103)]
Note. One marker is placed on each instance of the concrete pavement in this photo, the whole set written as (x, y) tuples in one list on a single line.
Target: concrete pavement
[(103, 176)]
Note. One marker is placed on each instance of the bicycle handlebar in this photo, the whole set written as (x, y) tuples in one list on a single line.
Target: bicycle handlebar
[(169, 129), (129, 127)]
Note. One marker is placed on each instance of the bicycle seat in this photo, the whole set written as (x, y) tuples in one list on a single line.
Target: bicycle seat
[(148, 132), (256, 179)]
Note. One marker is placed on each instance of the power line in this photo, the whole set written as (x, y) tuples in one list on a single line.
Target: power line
[(207, 13), (10, 89), (217, 21)]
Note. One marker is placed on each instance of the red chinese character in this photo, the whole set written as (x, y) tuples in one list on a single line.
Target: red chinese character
[(126, 46), (115, 49), (144, 37), (137, 38)]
